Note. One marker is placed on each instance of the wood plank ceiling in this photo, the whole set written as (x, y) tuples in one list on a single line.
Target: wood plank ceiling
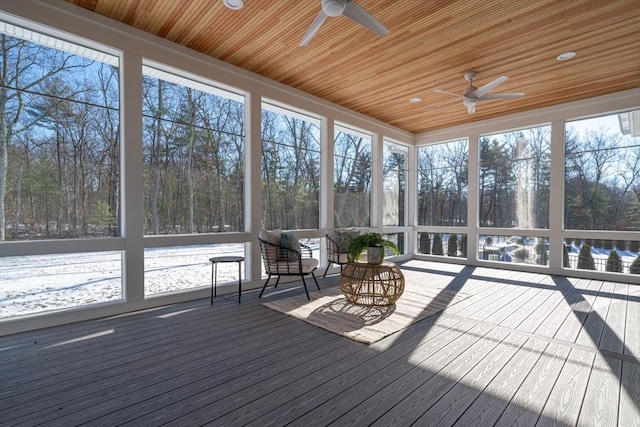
[(430, 46)]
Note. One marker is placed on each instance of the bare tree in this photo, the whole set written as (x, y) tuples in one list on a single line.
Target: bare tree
[(352, 185), (24, 66)]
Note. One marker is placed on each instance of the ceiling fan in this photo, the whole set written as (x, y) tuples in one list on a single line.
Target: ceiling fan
[(348, 8), (472, 94)]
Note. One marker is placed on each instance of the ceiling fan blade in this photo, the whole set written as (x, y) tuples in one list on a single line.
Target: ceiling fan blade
[(356, 13), (489, 96), (448, 93), (486, 88), (313, 29)]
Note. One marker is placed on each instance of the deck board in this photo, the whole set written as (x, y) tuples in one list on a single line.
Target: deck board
[(234, 389), (151, 361), (509, 308), (396, 382), (420, 400), (151, 376), (487, 408), (580, 309), (529, 306), (613, 335), (115, 357), (565, 400), (313, 398), (629, 412), (603, 394), (456, 401), (632, 326), (570, 290), (526, 405), (593, 327), (522, 349)]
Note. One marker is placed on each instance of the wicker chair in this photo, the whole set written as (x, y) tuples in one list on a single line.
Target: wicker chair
[(281, 261), (336, 252)]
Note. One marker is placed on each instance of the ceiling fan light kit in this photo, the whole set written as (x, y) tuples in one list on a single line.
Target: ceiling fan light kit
[(233, 4), (565, 56), (348, 8), (333, 7), (471, 94)]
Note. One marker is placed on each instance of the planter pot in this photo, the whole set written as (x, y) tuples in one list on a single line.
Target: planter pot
[(375, 254)]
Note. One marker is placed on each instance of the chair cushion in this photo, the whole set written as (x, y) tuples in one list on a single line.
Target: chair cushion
[(309, 264), (272, 236), (290, 241)]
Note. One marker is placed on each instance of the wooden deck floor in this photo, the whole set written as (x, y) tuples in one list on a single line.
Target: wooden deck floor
[(524, 349)]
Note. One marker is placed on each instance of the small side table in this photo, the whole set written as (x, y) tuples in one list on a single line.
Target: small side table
[(372, 284), (214, 273)]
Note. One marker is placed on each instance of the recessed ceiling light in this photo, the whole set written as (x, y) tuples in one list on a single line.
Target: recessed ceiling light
[(233, 4), (566, 55), (415, 100)]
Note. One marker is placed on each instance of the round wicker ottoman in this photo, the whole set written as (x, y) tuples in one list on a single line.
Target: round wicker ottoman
[(372, 284)]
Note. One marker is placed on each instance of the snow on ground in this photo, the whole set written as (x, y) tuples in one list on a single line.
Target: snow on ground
[(38, 283), (46, 282)]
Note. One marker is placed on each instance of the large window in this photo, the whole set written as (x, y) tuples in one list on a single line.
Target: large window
[(602, 173), (59, 131), (514, 179), (59, 172), (193, 156), (352, 178), (394, 184), (290, 169), (602, 193), (443, 184)]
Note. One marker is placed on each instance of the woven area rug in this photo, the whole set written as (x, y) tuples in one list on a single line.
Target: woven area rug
[(328, 309)]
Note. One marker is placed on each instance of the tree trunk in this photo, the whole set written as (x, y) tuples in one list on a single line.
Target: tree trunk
[(16, 218), (155, 162), (192, 138), (4, 137)]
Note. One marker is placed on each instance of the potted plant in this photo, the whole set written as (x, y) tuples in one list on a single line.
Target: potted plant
[(373, 243)]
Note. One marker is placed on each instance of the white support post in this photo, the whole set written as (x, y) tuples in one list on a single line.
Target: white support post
[(556, 197), (473, 198), (253, 182), (327, 137), (376, 184), (131, 180), (411, 196), (326, 173)]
